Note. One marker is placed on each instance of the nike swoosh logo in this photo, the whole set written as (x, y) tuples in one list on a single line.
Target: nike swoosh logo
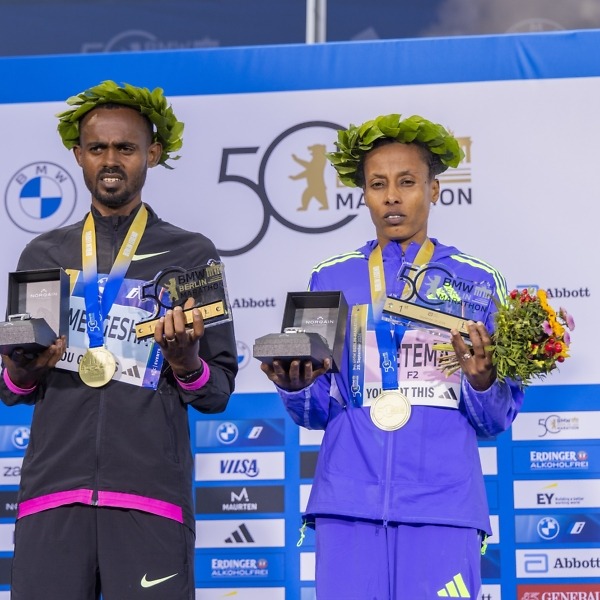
[(146, 583), (144, 256)]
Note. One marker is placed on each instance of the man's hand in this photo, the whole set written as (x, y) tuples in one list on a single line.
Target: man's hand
[(298, 376), (476, 361), (27, 372), (179, 343)]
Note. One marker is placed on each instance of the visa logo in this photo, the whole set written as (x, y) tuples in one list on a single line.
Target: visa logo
[(248, 467)]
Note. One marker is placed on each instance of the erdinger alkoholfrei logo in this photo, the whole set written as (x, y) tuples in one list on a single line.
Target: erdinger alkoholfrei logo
[(295, 184), (40, 197)]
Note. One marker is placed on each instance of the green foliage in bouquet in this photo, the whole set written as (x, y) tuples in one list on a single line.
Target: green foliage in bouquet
[(530, 339)]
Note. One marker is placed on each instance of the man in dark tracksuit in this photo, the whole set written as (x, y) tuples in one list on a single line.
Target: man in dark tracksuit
[(105, 504)]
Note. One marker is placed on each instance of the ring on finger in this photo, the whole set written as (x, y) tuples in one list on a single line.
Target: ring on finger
[(466, 356), (170, 340)]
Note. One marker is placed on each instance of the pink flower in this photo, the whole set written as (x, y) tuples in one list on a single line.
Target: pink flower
[(547, 328), (567, 338), (567, 318)]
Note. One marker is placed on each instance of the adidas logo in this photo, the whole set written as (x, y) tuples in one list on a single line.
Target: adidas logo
[(240, 536), (132, 372), (455, 588), (449, 395)]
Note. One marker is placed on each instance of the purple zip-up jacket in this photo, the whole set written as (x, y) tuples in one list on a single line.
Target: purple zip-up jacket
[(428, 471)]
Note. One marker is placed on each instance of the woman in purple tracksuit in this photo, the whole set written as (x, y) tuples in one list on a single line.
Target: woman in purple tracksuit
[(398, 500)]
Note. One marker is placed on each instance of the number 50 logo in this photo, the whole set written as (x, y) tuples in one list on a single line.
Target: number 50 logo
[(295, 183)]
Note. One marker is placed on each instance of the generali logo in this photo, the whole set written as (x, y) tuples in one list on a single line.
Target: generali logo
[(571, 591)]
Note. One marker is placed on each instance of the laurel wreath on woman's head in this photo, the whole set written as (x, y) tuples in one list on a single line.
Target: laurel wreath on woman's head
[(354, 143), (168, 131)]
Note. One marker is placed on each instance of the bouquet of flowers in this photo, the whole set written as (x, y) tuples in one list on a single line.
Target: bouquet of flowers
[(529, 341)]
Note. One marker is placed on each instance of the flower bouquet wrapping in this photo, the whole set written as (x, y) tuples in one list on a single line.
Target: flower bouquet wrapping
[(530, 338)]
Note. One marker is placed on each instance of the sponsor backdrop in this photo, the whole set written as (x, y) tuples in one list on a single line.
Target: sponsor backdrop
[(252, 175)]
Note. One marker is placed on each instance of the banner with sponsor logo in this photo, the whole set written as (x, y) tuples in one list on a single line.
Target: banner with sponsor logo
[(252, 177)]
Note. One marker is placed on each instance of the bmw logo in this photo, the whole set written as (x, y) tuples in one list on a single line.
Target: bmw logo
[(548, 528), (227, 433), (20, 438), (40, 197)]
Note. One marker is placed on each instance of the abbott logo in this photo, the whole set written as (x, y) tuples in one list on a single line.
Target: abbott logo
[(535, 563), (561, 563)]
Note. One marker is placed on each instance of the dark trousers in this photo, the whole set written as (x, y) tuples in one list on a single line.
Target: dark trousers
[(79, 552)]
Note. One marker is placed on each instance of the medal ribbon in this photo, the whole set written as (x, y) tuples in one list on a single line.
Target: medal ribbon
[(388, 336), (97, 308)]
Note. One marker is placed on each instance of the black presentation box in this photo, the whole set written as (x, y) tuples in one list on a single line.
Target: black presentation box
[(37, 310), (313, 327)]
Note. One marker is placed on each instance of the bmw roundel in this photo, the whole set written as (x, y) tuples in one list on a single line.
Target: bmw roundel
[(40, 197), (227, 433)]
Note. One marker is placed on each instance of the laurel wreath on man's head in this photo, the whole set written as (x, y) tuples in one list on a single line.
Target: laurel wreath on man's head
[(353, 143), (168, 131)]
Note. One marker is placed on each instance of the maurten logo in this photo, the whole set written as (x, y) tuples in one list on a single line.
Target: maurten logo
[(39, 197)]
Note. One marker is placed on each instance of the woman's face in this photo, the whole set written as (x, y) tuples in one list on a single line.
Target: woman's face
[(399, 192)]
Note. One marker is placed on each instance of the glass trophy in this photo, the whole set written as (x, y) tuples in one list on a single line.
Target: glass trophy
[(434, 298), (202, 287)]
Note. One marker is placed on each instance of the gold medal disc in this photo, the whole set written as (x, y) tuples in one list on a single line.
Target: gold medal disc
[(391, 410), (97, 367)]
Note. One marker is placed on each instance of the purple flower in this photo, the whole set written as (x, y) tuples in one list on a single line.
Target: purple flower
[(547, 328), (567, 318), (567, 338)]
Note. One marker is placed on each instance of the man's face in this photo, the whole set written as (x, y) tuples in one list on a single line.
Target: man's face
[(398, 192), (115, 150)]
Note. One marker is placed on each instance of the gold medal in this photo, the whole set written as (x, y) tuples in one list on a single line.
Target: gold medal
[(390, 410), (97, 367)]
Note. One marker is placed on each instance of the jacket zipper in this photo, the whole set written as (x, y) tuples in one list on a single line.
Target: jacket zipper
[(101, 407), (98, 436), (389, 438)]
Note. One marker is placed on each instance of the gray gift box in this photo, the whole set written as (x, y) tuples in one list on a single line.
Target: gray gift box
[(313, 328), (37, 311)]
